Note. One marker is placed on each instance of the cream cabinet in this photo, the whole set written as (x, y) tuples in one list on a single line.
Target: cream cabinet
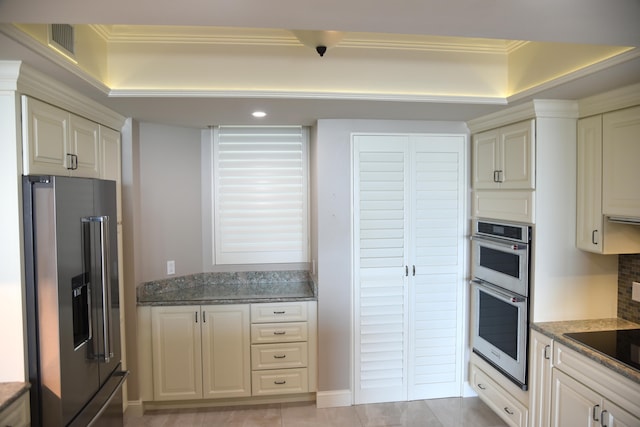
[(17, 414), (279, 348), (585, 393), (200, 352), (497, 395), (57, 142), (594, 232), (540, 366), (621, 172), (504, 158)]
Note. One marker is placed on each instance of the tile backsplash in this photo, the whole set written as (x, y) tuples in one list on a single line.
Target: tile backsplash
[(628, 272)]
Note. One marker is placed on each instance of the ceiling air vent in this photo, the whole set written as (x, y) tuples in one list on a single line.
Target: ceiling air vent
[(62, 38)]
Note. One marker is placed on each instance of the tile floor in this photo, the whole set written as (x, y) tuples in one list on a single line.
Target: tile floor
[(454, 412)]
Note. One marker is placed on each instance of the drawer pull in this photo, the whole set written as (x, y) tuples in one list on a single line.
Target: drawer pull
[(279, 333), (482, 387), (280, 382), (279, 356), (279, 312), (508, 411)]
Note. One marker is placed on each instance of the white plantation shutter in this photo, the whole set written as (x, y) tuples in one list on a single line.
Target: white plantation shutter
[(408, 211), (261, 203), (380, 234)]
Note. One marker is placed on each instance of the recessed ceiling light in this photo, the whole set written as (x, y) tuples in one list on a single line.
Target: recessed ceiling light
[(258, 114)]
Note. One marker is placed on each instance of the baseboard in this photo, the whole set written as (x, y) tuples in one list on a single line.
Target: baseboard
[(134, 408), (333, 399), (467, 391)]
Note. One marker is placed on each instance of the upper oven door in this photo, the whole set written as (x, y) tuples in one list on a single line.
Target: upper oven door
[(503, 263)]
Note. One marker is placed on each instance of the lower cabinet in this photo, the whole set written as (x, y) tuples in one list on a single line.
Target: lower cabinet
[(17, 414), (227, 351), (200, 352), (497, 395), (570, 389)]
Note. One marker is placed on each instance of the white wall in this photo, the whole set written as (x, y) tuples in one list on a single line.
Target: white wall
[(170, 200), (12, 330), (332, 175)]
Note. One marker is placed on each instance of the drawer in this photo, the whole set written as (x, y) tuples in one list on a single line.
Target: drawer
[(279, 312), (278, 356), (278, 332), (497, 398), (282, 381)]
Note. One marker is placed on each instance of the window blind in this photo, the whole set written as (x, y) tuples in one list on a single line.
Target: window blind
[(261, 202)]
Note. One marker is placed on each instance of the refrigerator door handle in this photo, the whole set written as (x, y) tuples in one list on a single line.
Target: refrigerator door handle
[(106, 286)]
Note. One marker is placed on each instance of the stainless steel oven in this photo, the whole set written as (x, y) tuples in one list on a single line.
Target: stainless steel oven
[(500, 290)]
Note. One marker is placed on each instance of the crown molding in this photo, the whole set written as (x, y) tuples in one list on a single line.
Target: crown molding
[(539, 108), (631, 54), (38, 85), (617, 99), (154, 93), (51, 55)]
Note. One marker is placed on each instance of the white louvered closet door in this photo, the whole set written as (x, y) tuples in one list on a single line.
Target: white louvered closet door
[(409, 216), (380, 241)]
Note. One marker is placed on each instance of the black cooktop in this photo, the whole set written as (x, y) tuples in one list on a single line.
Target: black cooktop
[(622, 344)]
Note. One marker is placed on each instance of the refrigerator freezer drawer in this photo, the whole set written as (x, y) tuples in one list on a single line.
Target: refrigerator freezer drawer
[(105, 409)]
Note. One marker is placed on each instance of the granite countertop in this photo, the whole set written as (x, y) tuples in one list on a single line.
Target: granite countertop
[(229, 288), (556, 330), (10, 392)]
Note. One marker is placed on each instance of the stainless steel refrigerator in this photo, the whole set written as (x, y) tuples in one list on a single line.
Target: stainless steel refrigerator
[(73, 308)]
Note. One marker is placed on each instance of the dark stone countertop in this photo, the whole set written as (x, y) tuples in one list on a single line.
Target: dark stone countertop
[(556, 330), (10, 392), (229, 288)]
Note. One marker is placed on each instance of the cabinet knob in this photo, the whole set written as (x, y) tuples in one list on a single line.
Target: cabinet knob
[(508, 411)]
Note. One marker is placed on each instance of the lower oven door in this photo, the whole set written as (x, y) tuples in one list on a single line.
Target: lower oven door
[(500, 322)]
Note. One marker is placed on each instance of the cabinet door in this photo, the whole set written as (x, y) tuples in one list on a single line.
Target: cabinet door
[(573, 404), (226, 363), (85, 144), (177, 362), (516, 161), (615, 416), (45, 131), (589, 225), (621, 174), (485, 158), (540, 379)]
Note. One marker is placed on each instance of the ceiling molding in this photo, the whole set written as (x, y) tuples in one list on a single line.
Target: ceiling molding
[(526, 111), (259, 37), (631, 54), (617, 99), (52, 55), (449, 99)]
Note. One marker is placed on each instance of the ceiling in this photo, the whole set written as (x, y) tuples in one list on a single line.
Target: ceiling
[(569, 21)]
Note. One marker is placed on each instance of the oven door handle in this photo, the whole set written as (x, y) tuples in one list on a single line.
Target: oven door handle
[(501, 244), (491, 289)]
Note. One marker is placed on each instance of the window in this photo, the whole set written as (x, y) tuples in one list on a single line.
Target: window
[(260, 189)]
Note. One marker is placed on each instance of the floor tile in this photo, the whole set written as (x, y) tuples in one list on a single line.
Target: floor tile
[(307, 415), (405, 414), (464, 412)]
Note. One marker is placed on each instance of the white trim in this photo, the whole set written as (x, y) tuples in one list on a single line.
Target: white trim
[(617, 99), (135, 408), (333, 399), (182, 93), (534, 109), (628, 55), (467, 391), (52, 55), (17, 76)]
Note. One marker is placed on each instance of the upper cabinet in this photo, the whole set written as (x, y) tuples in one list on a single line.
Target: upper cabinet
[(504, 158), (58, 142), (594, 232), (621, 153)]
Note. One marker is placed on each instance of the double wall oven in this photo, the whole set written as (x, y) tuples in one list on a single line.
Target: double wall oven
[(500, 289)]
